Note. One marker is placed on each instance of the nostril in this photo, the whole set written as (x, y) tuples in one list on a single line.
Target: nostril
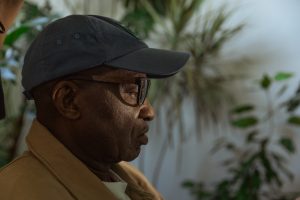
[(147, 112), (149, 118)]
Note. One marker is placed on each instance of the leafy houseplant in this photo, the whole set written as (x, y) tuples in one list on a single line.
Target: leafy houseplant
[(257, 168), (30, 22)]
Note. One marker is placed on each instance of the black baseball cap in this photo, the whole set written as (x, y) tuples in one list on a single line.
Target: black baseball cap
[(80, 42)]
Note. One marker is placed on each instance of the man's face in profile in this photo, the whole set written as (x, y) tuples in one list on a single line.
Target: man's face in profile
[(110, 129)]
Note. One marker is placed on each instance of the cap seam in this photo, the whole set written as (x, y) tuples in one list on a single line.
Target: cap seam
[(94, 29)]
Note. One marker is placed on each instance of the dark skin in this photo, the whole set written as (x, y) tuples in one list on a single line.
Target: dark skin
[(92, 121)]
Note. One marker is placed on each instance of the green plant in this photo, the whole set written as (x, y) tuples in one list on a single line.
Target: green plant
[(257, 167), (31, 20)]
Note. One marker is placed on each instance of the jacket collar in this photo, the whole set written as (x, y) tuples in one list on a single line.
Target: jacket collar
[(70, 171)]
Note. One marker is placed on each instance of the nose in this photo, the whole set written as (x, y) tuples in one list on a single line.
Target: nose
[(146, 111)]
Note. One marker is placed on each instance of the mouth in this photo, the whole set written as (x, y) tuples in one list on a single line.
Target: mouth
[(143, 138)]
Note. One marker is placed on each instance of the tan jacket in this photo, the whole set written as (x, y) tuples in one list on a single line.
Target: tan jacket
[(48, 171)]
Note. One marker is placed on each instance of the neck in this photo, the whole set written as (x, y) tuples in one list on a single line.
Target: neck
[(105, 175), (102, 170)]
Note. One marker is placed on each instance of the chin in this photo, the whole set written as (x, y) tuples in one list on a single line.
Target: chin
[(133, 155)]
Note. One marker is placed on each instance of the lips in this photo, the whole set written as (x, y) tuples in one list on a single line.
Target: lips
[(143, 138)]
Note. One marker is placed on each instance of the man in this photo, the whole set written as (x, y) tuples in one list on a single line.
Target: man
[(89, 78)]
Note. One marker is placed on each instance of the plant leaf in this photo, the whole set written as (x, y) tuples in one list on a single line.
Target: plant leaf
[(242, 109), (140, 22), (265, 82), (293, 103), (282, 90), (282, 76), (295, 120), (188, 184), (218, 145), (270, 173), (281, 161), (186, 14), (244, 122), (230, 146), (287, 144), (15, 35), (251, 136)]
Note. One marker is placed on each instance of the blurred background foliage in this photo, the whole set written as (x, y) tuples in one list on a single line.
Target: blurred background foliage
[(30, 22), (259, 166)]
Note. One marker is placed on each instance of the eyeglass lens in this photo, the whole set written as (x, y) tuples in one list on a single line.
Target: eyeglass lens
[(144, 86)]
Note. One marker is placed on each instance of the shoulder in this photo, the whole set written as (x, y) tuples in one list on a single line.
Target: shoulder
[(26, 166), (27, 177), (17, 167), (140, 178), (133, 171)]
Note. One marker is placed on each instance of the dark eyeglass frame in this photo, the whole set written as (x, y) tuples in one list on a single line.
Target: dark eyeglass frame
[(139, 81)]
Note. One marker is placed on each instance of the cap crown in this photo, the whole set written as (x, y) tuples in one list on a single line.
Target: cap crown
[(73, 44)]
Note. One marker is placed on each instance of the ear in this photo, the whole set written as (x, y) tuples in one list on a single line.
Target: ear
[(65, 99)]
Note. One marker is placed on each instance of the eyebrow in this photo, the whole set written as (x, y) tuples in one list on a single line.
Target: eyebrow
[(136, 74)]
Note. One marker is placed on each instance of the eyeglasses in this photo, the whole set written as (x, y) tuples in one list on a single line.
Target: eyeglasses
[(132, 92)]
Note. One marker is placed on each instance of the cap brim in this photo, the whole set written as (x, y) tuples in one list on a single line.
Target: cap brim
[(156, 63)]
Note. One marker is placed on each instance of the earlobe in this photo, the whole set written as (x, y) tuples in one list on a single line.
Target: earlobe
[(64, 97)]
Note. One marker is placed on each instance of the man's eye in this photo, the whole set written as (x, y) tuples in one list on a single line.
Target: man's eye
[(130, 89), (133, 94)]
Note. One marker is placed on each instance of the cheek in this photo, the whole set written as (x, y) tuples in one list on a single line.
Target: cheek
[(124, 130), (123, 125), (112, 126), (98, 116), (121, 116)]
